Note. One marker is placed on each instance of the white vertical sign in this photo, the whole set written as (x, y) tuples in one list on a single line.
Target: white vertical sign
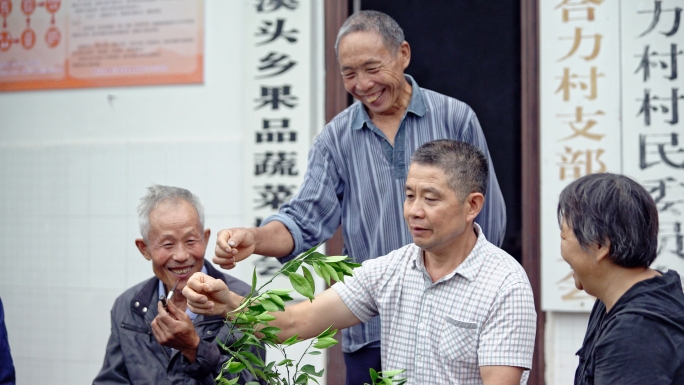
[(652, 96), (580, 121), (278, 84), (610, 93), (282, 56)]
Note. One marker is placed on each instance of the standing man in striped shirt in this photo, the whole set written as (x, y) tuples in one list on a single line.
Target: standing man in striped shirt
[(358, 165)]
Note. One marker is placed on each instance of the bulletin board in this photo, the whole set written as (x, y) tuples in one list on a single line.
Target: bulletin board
[(47, 44)]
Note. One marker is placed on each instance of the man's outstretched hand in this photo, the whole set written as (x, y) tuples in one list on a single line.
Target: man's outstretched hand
[(232, 246), (209, 296)]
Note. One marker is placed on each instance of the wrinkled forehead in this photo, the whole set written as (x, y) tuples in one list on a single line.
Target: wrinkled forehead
[(174, 213), (362, 41), (425, 175)]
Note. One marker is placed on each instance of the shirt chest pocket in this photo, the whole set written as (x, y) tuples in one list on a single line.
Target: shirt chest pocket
[(459, 340)]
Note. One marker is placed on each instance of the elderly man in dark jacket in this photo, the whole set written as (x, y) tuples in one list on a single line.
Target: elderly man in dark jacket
[(156, 341)]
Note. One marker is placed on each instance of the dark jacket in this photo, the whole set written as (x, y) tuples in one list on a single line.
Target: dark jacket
[(134, 356), (7, 376), (640, 340)]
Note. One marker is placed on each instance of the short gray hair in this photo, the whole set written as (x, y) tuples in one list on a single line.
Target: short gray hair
[(465, 165), (372, 21), (157, 194), (602, 208)]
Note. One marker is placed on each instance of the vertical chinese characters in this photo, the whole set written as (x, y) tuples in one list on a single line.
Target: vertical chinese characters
[(276, 128), (579, 87), (656, 111), (580, 118)]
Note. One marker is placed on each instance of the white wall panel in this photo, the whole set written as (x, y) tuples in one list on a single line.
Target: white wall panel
[(564, 334)]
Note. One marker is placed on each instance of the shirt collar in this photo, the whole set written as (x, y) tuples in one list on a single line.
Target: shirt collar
[(416, 105), (162, 291), (469, 268)]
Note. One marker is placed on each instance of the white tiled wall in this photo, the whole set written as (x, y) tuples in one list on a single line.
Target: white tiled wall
[(67, 228), (564, 334)]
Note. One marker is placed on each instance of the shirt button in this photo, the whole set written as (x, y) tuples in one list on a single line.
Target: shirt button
[(144, 310), (209, 332), (136, 304)]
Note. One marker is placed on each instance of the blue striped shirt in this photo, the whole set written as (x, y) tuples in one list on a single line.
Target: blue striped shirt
[(356, 178)]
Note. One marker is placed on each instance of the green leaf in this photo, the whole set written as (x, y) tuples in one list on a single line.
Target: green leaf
[(246, 363), (336, 258), (225, 381), (252, 358), (292, 266), (270, 330), (244, 303), (309, 252), (317, 269), (387, 381), (324, 343), (287, 362), (310, 369), (240, 341), (292, 340), (347, 270), (254, 281), (325, 275), (280, 292), (270, 339), (338, 270), (247, 317), (391, 373), (314, 352), (309, 278), (257, 308), (327, 332), (235, 367), (286, 298), (331, 271), (277, 300), (301, 285), (252, 383), (269, 305), (373, 374), (265, 317)]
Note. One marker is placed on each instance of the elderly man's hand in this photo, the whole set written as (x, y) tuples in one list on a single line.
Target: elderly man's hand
[(175, 330), (233, 245), (209, 296)]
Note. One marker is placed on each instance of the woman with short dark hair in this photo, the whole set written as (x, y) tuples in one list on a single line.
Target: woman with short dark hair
[(609, 236)]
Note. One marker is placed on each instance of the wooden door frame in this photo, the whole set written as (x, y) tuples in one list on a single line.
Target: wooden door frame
[(336, 12), (529, 104)]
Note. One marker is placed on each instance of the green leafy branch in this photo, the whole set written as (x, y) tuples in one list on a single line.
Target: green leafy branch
[(253, 317)]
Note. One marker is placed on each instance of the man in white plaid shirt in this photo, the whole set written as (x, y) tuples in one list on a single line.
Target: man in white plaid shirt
[(455, 309)]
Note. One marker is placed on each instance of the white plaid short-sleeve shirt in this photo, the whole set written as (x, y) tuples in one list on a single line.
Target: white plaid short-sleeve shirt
[(441, 333)]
